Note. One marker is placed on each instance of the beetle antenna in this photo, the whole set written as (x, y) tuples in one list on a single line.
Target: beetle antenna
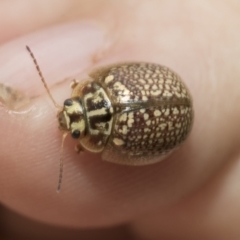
[(41, 76), (61, 163)]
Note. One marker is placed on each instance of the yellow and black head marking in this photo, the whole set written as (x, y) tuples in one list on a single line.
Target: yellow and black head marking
[(71, 118)]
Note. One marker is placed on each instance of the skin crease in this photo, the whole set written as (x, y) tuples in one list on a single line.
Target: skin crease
[(194, 194)]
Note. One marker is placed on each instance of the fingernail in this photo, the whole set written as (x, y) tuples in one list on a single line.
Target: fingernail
[(61, 52)]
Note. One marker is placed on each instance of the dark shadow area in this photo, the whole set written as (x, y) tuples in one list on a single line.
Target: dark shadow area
[(15, 226)]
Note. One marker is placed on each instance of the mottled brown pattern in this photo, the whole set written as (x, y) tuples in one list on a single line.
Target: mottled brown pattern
[(143, 82), (154, 112), (156, 135)]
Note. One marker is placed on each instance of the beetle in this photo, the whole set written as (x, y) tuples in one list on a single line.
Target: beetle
[(134, 113)]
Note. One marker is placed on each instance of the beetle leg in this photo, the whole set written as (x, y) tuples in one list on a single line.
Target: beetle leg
[(79, 148), (74, 83)]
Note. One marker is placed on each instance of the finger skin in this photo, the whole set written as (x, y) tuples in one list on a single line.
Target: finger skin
[(211, 213), (96, 193), (26, 16)]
